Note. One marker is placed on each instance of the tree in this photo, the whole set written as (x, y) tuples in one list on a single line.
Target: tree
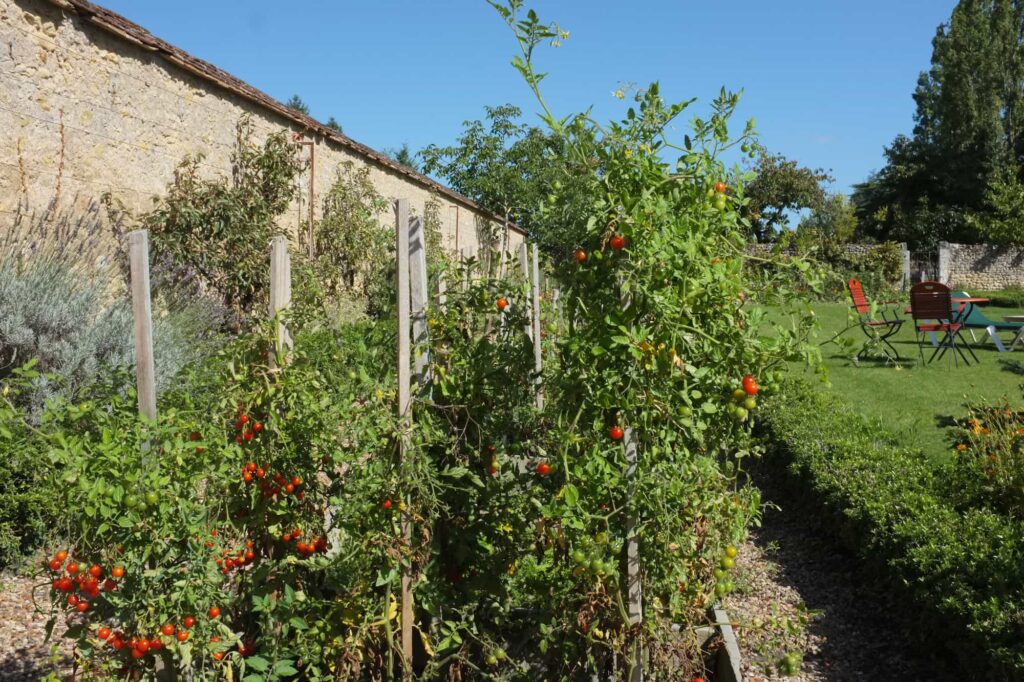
[(333, 124), (943, 182), (513, 170), (404, 156), (834, 220), (781, 186), (298, 104)]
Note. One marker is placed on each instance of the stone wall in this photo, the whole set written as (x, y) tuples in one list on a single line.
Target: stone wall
[(981, 266), (763, 250), (91, 103)]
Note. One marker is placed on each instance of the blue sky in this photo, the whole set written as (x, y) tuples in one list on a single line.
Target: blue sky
[(828, 81)]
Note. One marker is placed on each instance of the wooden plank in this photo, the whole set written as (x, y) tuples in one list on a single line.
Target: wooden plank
[(524, 266), (418, 298), (538, 349), (633, 587), (404, 415), (142, 312), (442, 290), (280, 290)]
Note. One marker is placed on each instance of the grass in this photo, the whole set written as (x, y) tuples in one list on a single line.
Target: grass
[(917, 402)]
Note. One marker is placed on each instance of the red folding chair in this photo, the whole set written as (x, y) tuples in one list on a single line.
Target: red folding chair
[(872, 328), (932, 310)]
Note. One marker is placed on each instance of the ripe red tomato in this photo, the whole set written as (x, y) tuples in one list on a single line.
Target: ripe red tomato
[(109, 585), (720, 187), (492, 469), (118, 572), (95, 571), (257, 427), (750, 385), (543, 468), (296, 481), (250, 555), (66, 585), (136, 654), (195, 435), (218, 655), (260, 473), (502, 303), (618, 242), (239, 439), (72, 568), (581, 256), (55, 565), (155, 644), (117, 643), (183, 634), (189, 621), (214, 612), (247, 435), (387, 504), (301, 495), (103, 633), (72, 600), (61, 556), (82, 606), (142, 645), (615, 433), (244, 419), (289, 488)]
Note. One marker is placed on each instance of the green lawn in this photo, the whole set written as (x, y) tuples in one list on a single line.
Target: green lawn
[(918, 401)]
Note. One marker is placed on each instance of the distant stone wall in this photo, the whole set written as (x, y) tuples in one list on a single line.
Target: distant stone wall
[(981, 266), (90, 103)]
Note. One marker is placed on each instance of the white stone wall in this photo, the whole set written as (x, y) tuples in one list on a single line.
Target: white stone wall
[(981, 267), (83, 112)]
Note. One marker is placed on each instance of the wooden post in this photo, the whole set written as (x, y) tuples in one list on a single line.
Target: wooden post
[(142, 311), (280, 291), (538, 365), (418, 301), (442, 290), (633, 587), (524, 265), (404, 413)]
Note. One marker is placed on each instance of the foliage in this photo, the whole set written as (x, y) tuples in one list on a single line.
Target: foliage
[(515, 170), (962, 568), (834, 221), (780, 186), (967, 135), (987, 470), (66, 320), (404, 156), (354, 251), (26, 509), (333, 124), (217, 231), (298, 104)]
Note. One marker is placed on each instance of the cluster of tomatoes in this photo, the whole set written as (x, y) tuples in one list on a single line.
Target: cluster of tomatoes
[(743, 399), (617, 242), (319, 543), (81, 584), (229, 560), (724, 584), (247, 428), (277, 485)]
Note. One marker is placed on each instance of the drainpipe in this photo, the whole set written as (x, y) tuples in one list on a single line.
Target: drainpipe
[(312, 179)]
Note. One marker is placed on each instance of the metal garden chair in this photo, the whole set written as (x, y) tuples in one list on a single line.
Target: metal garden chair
[(882, 329), (931, 306)]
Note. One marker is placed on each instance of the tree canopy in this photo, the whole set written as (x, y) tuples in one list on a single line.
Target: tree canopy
[(779, 187), (958, 176)]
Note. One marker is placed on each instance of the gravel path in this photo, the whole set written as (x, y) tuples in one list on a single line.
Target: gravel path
[(797, 591), (23, 655)]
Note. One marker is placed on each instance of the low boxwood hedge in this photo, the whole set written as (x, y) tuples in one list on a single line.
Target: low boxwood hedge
[(962, 570)]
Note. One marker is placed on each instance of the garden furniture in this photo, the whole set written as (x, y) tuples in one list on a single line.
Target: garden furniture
[(872, 328), (973, 318), (931, 306)]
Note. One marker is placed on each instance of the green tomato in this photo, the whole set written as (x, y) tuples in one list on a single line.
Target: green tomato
[(719, 573), (596, 566), (491, 659), (500, 654), (728, 562), (152, 498), (740, 413), (131, 502), (579, 557), (730, 551), (685, 411), (745, 147), (750, 403), (720, 589), (720, 202), (739, 394), (729, 587), (601, 538)]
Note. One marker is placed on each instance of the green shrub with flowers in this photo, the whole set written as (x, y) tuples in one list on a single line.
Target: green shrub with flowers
[(987, 468), (254, 529)]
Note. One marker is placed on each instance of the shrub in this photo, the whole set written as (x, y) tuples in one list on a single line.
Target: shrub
[(963, 567), (987, 469)]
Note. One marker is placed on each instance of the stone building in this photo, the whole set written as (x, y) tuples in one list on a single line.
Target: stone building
[(92, 103)]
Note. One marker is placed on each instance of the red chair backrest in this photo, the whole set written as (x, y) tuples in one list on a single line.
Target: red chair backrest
[(860, 302), (930, 301)]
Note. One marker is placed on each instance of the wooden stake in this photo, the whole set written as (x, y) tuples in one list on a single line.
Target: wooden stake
[(524, 265), (142, 311), (418, 281), (404, 413), (538, 359), (280, 291)]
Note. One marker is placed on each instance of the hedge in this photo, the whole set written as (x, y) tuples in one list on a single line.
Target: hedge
[(962, 571)]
